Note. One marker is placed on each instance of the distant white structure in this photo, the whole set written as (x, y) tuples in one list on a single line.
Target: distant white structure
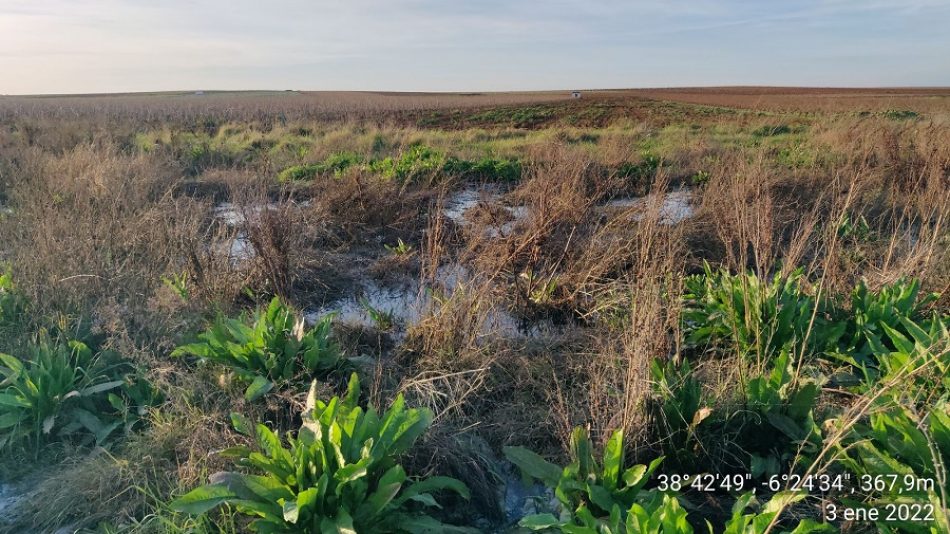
[(199, 93), (575, 94)]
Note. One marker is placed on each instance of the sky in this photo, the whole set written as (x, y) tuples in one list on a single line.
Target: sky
[(91, 46)]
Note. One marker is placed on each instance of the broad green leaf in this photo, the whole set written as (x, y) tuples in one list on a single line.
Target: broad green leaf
[(200, 500), (532, 465), (259, 387), (241, 424), (389, 485), (539, 521), (99, 388), (11, 419), (15, 366), (613, 459), (435, 483), (8, 399)]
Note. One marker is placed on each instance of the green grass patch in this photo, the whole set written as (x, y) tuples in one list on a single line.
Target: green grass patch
[(336, 164)]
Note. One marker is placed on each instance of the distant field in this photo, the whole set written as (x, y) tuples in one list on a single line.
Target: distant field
[(807, 98), (248, 104), (239, 105)]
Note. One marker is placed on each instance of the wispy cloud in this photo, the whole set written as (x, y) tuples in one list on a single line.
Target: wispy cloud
[(101, 45)]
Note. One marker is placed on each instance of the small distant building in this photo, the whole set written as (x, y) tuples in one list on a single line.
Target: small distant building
[(575, 94)]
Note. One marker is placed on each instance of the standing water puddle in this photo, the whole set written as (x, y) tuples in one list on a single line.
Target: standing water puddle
[(240, 248), (11, 495), (675, 209), (462, 202), (406, 305)]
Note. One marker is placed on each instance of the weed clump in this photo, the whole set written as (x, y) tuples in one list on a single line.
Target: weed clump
[(63, 391), (340, 473), (270, 348)]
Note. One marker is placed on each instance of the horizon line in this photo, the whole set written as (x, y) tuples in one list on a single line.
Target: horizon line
[(475, 92)]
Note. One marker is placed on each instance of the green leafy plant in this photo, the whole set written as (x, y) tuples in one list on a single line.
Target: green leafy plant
[(778, 405), (335, 164), (12, 305), (756, 316), (64, 390), (339, 474), (660, 514), (700, 178), (857, 229), (771, 130), (384, 320), (591, 496), (178, 283), (900, 114), (642, 172), (918, 349), (540, 291), (268, 348), (759, 523), (299, 173), (901, 455), (665, 516), (679, 411), (401, 248), (895, 307)]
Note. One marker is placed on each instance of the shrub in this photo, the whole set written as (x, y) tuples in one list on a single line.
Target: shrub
[(591, 496), (268, 347), (65, 390), (339, 474)]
